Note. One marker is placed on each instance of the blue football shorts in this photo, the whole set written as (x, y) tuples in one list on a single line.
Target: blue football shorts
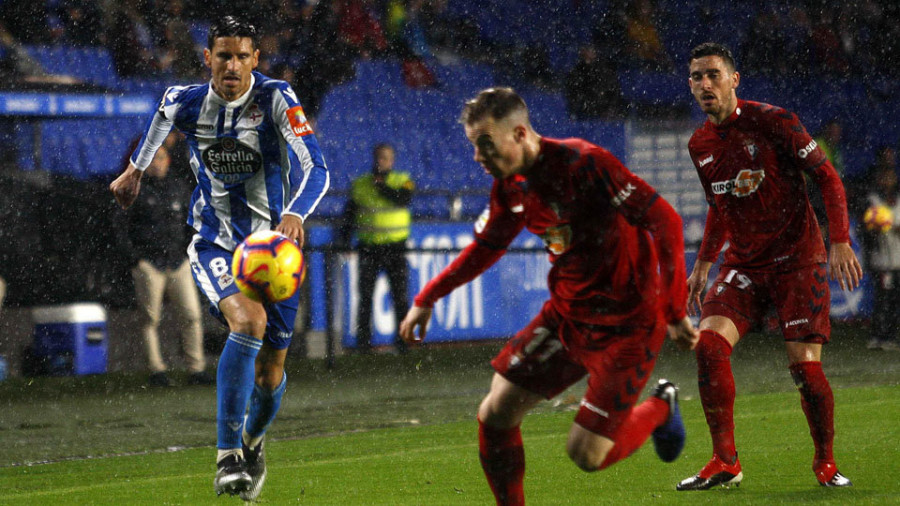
[(211, 267)]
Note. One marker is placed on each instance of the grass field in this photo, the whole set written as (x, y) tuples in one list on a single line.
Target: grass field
[(400, 430)]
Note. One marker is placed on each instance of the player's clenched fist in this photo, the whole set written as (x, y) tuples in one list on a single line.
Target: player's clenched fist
[(126, 187)]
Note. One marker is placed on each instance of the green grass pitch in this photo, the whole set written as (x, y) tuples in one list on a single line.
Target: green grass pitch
[(400, 430)]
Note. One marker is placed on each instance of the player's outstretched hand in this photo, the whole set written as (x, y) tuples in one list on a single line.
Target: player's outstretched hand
[(292, 227), (844, 266), (416, 317), (126, 187), (684, 334)]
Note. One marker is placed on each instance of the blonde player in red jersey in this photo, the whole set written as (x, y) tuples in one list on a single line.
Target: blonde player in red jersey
[(616, 288), (751, 158)]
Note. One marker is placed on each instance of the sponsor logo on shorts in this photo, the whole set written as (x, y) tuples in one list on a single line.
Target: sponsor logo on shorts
[(297, 119), (231, 161), (225, 280), (794, 323), (803, 153), (595, 409), (745, 183), (706, 160)]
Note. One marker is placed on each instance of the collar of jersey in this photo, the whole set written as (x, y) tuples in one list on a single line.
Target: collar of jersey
[(241, 100)]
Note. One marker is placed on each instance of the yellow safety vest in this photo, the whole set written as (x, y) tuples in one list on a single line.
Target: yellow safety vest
[(378, 219)]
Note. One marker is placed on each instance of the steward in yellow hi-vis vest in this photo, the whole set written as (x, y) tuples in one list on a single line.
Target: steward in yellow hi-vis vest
[(378, 210)]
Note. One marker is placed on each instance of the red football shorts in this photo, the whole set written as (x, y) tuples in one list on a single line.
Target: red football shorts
[(801, 298), (552, 353)]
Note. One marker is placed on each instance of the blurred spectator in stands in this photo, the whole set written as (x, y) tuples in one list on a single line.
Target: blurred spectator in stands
[(609, 33), (378, 210), (131, 42), (26, 20), (828, 49), (179, 53), (404, 29), (406, 39), (763, 50), (643, 45), (82, 22), (450, 36), (21, 71), (592, 88), (523, 64), (881, 244), (360, 26), (829, 140), (328, 59), (779, 44), (152, 234)]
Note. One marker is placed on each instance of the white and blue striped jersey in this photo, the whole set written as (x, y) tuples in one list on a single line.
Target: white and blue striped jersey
[(255, 158)]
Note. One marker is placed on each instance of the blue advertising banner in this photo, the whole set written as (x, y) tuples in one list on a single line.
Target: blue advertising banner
[(75, 105), (495, 305)]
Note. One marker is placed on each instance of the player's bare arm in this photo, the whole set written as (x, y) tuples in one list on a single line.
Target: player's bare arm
[(416, 317), (126, 187), (844, 266), (684, 334), (292, 226), (696, 283)]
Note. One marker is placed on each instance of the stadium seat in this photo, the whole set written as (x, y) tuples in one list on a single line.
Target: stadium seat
[(430, 206)]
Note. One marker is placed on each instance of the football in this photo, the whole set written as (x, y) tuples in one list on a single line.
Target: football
[(268, 266), (879, 218)]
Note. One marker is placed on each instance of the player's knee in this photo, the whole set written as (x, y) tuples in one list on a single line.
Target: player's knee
[(251, 323), (712, 346)]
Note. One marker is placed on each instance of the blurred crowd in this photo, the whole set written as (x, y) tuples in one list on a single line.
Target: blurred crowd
[(320, 39)]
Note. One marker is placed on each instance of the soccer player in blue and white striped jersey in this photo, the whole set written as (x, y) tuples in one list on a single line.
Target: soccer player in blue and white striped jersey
[(258, 167)]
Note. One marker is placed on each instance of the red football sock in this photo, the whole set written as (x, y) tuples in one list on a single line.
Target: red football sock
[(503, 461), (818, 405), (642, 421), (717, 392)]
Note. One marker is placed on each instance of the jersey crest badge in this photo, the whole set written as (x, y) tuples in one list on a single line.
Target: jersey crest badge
[(253, 116), (752, 150)]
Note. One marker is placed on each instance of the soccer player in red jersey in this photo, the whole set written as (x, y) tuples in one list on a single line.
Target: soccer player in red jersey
[(616, 288), (751, 158)]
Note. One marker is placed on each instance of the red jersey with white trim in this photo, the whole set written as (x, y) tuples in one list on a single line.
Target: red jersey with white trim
[(751, 167), (594, 217)]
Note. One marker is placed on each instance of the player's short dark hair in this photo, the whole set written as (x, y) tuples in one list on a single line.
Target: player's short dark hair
[(713, 49), (231, 26), (496, 103)]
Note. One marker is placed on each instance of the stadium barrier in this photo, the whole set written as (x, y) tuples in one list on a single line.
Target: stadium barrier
[(493, 306)]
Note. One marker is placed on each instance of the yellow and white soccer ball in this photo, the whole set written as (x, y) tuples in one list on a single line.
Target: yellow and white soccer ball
[(879, 218), (268, 267)]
